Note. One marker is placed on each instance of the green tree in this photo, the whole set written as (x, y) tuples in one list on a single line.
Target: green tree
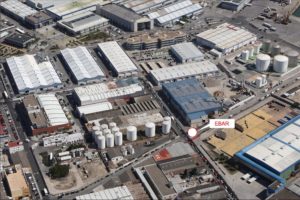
[(59, 171)]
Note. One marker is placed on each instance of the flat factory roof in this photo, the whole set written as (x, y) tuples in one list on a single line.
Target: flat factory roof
[(187, 50), (52, 108), (30, 75), (226, 35), (82, 64), (121, 192), (117, 57), (278, 150), (16, 181), (174, 11), (140, 6), (94, 108), (18, 8), (121, 12), (184, 70), (82, 21)]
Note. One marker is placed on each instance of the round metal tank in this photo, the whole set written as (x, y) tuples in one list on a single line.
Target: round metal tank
[(104, 126), (259, 82), (110, 140), (257, 47), (150, 129), (118, 138), (96, 134), (100, 142), (106, 131), (245, 55), (251, 52), (276, 49), (293, 58), (112, 124), (267, 46), (131, 133), (166, 127), (280, 64), (115, 130), (262, 62)]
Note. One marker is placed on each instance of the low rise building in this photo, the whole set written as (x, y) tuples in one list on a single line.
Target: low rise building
[(43, 114), (63, 138), (94, 108), (145, 6), (117, 60), (82, 24), (121, 192), (17, 185), (191, 101), (125, 18), (16, 9), (234, 5), (38, 20), (186, 52), (14, 146), (19, 40), (226, 38)]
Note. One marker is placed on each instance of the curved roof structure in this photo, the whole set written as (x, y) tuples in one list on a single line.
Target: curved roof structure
[(82, 64), (30, 75)]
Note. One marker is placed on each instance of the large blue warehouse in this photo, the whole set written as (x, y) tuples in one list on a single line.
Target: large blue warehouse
[(276, 155), (191, 100)]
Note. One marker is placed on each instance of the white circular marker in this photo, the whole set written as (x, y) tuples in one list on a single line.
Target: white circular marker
[(192, 132)]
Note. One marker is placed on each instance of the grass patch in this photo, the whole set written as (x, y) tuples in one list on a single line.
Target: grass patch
[(94, 36)]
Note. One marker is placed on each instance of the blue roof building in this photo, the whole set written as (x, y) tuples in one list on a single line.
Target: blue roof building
[(191, 100)]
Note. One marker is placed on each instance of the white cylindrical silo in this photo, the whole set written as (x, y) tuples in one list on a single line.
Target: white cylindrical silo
[(264, 79), (293, 58), (257, 47), (104, 126), (114, 130), (166, 127), (106, 131), (94, 129), (100, 142), (150, 129), (167, 118), (251, 52), (110, 140), (245, 55), (118, 138), (112, 124), (259, 82), (267, 46), (131, 150), (131, 133), (280, 64), (262, 62), (276, 49)]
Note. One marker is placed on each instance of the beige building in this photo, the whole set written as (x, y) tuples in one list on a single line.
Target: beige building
[(17, 185)]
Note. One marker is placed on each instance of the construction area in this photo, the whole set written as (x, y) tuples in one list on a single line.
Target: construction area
[(248, 129)]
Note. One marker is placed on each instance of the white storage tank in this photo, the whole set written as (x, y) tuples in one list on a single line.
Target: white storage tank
[(131, 150), (267, 46), (100, 142), (293, 58), (104, 126), (280, 64), (110, 142), (115, 130), (106, 131), (276, 49), (150, 129), (112, 125), (118, 138), (167, 118), (259, 82), (166, 127), (257, 47), (264, 79), (251, 52), (262, 62), (245, 55), (131, 133)]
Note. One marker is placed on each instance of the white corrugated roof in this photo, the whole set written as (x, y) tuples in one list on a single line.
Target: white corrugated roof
[(226, 35), (30, 75), (18, 8), (121, 192), (187, 50), (82, 64), (281, 150), (117, 57), (184, 70), (95, 93), (53, 109), (94, 108)]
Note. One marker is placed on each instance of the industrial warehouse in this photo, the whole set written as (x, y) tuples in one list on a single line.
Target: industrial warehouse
[(187, 52), (32, 74), (82, 65), (16, 9), (117, 59), (184, 71), (226, 38), (276, 155), (191, 100), (234, 5)]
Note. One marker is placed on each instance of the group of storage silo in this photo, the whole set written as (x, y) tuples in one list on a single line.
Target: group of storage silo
[(281, 62), (110, 135)]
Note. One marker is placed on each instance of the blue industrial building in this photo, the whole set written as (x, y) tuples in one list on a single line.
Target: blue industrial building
[(191, 100), (276, 155)]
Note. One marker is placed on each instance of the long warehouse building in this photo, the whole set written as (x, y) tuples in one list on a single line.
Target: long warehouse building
[(82, 65), (117, 59), (184, 71), (186, 52), (16, 9), (276, 155), (30, 75), (226, 38)]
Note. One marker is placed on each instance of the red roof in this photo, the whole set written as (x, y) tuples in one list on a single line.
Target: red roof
[(14, 143), (162, 155)]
